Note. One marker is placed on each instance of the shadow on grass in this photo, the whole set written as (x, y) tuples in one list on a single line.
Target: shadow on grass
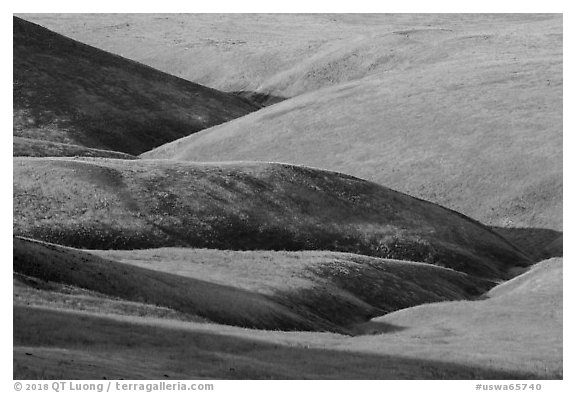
[(313, 308), (538, 243), (375, 327), (100, 347), (259, 99)]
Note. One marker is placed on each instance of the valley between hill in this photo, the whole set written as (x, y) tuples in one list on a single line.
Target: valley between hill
[(484, 339), (230, 197), (128, 204)]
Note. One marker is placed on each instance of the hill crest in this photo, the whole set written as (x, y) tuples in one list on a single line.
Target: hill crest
[(123, 204)]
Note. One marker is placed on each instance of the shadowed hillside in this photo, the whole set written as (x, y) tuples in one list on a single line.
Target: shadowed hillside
[(496, 338), (266, 290), (123, 204), (538, 243), (281, 196), (219, 303), (468, 117), (25, 147), (519, 323), (265, 54), (70, 93), (464, 110), (338, 287), (56, 344)]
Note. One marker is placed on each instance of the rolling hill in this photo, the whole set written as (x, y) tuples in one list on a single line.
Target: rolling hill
[(266, 55), (219, 303), (495, 338), (130, 204), (466, 117), (362, 197), (464, 110), (519, 324), (258, 289), (26, 147), (85, 99)]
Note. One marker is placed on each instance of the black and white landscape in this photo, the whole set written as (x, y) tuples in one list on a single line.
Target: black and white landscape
[(316, 196)]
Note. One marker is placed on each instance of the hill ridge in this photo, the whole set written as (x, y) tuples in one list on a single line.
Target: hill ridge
[(315, 290), (148, 203), (69, 92), (479, 131)]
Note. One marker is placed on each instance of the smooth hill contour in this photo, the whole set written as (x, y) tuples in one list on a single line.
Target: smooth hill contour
[(70, 93), (128, 204)]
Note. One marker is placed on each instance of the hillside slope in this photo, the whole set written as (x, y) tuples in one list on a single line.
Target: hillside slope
[(264, 53), (469, 119), (26, 147), (266, 290), (127, 204), (509, 336), (58, 344), (68, 92), (219, 303), (520, 323)]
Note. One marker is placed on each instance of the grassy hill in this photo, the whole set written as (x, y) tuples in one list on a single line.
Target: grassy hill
[(338, 287), (69, 93), (128, 204), (386, 93), (26, 147), (57, 344), (467, 117), (519, 323), (494, 338), (248, 245), (258, 289), (464, 110), (264, 53), (219, 303)]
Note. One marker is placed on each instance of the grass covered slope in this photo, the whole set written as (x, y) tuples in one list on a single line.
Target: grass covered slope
[(496, 338), (25, 147), (123, 204), (264, 53), (341, 288), (258, 289), (469, 118), (542, 280), (70, 93), (519, 325), (56, 344), (219, 303)]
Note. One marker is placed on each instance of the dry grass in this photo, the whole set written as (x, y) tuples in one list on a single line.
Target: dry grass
[(341, 288), (25, 147), (122, 204), (516, 333), (321, 290), (519, 324), (461, 110), (31, 291), (386, 93), (266, 54), (56, 344), (71, 93), (219, 303), (539, 243)]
